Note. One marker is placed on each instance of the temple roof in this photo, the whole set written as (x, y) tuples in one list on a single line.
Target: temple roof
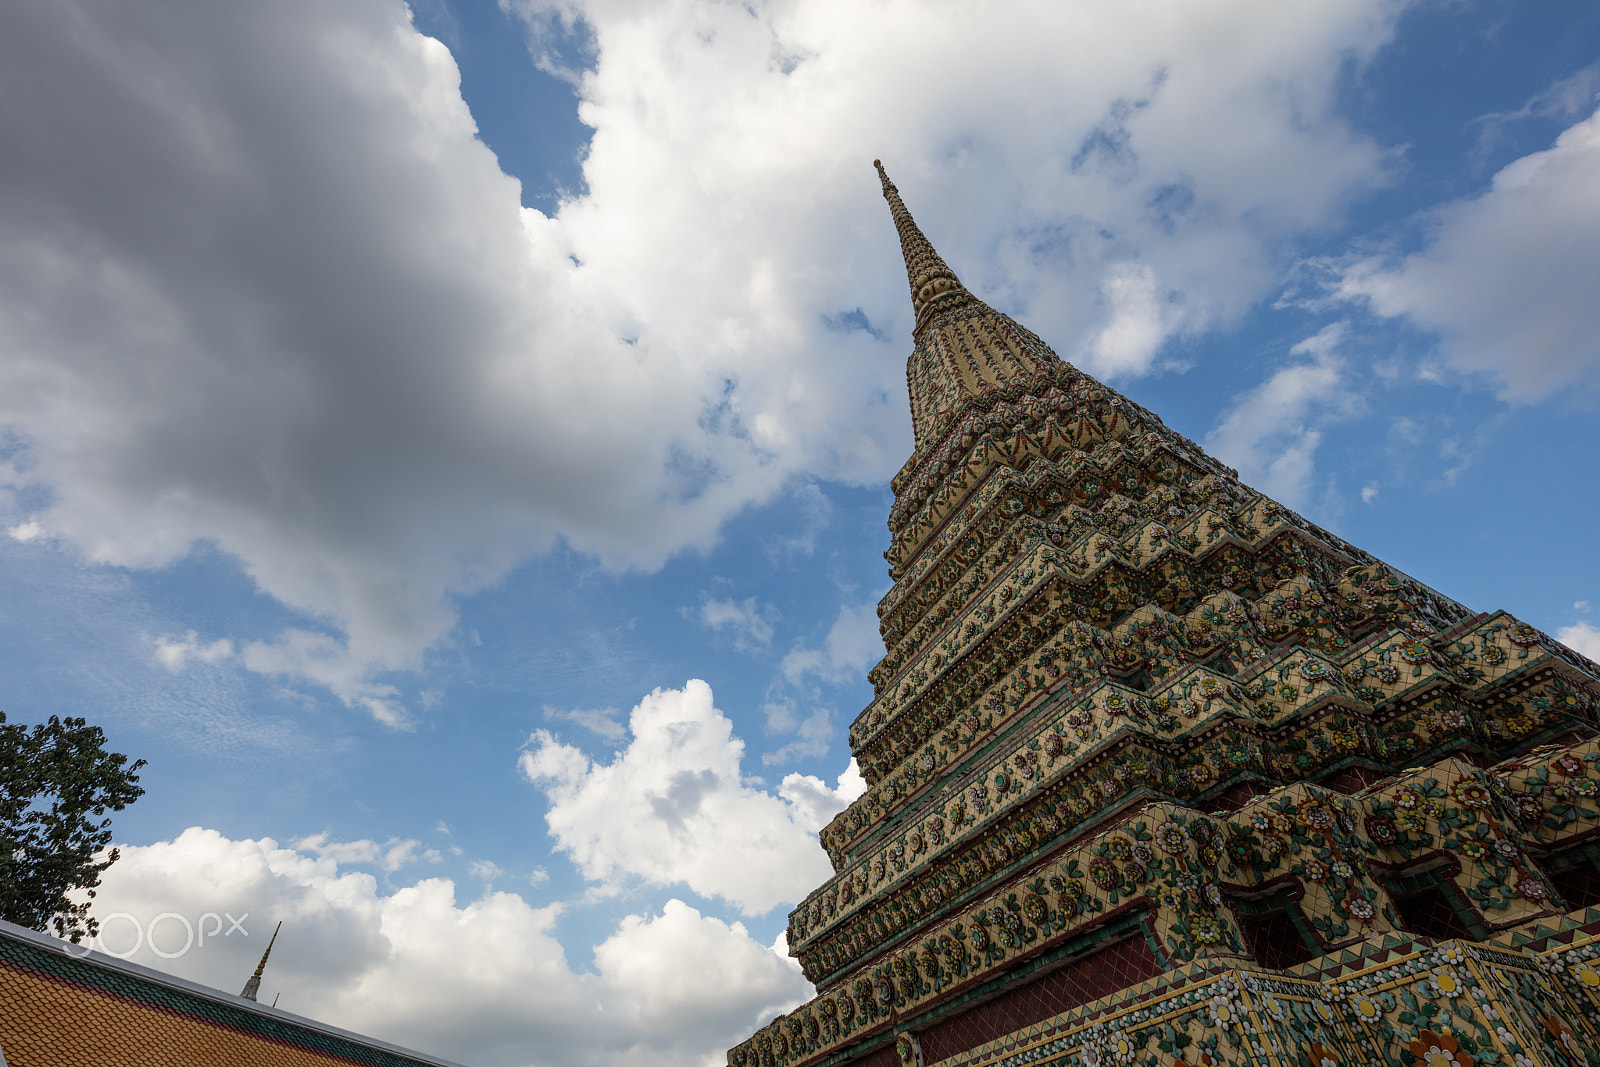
[(65, 1005)]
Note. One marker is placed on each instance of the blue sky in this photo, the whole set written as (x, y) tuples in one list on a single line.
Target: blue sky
[(391, 402)]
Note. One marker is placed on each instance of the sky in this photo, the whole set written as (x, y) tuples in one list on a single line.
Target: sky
[(451, 444)]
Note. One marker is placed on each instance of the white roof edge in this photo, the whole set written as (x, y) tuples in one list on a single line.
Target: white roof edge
[(60, 947)]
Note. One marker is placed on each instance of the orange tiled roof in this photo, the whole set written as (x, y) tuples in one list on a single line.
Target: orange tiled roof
[(61, 1006)]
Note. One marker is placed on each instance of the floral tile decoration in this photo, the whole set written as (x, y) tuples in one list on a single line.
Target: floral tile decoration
[(1160, 773)]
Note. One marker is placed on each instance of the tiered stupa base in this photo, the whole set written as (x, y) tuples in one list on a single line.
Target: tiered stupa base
[(1282, 933), (1160, 773)]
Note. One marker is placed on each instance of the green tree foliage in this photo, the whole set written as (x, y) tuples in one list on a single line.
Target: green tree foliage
[(57, 781)]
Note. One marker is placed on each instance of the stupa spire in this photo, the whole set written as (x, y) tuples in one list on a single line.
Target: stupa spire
[(965, 350), (931, 278), (1123, 700)]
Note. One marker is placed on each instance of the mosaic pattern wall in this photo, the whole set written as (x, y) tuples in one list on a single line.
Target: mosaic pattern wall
[(1161, 773)]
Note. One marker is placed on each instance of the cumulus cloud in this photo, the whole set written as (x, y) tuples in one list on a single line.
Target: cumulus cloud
[(1507, 278), (481, 982), (674, 808), (653, 966), (1272, 432), (1581, 637), (265, 289)]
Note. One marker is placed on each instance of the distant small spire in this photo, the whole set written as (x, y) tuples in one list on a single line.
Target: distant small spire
[(931, 278), (253, 986)]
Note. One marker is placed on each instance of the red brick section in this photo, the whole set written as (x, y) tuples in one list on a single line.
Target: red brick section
[(1099, 974), (883, 1057)]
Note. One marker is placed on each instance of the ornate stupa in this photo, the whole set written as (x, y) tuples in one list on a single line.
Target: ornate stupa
[(1162, 773)]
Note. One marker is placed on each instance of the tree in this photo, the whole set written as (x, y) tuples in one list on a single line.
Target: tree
[(57, 781)]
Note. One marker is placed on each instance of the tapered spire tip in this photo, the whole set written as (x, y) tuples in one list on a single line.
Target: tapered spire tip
[(931, 279)]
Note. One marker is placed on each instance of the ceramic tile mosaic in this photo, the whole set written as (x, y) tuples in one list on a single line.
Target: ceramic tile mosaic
[(1159, 772)]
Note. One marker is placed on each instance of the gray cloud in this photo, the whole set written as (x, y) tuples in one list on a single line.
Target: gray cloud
[(264, 288)]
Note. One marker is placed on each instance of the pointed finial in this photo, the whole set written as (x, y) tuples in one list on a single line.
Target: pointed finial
[(253, 986), (931, 279)]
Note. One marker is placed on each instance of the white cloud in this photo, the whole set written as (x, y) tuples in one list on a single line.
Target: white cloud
[(1570, 98), (813, 733), (794, 706), (653, 969), (26, 531), (749, 623), (328, 661), (1581, 637), (482, 982), (1272, 433), (1508, 277), (1129, 342), (602, 721), (673, 808), (816, 513), (794, 703), (174, 652), (816, 803), (485, 870), (853, 644), (391, 855), (306, 320)]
